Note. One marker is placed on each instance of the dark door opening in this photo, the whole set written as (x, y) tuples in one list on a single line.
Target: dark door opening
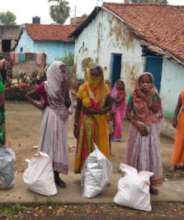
[(154, 66), (6, 45), (115, 67)]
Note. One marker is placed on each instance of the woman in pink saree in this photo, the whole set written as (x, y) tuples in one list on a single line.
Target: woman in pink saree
[(118, 110)]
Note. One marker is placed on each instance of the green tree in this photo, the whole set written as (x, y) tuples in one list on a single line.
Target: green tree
[(164, 2), (59, 11), (7, 18)]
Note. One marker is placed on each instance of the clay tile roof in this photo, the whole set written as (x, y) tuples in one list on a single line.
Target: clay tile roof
[(159, 25), (42, 32), (162, 26)]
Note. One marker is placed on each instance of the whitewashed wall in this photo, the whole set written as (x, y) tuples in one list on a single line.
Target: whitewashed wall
[(171, 85), (25, 42), (106, 35), (102, 37), (86, 46)]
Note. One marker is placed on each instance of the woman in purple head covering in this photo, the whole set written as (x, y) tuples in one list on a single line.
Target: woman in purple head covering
[(55, 102)]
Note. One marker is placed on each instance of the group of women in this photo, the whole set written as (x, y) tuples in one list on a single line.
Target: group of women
[(98, 106)]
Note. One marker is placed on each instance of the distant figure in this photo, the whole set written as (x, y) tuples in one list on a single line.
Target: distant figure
[(144, 111), (4, 68), (118, 109), (91, 121), (55, 102), (178, 123), (2, 113)]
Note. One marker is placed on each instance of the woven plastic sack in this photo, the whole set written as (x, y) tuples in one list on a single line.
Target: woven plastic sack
[(134, 189), (39, 175), (7, 167), (96, 174)]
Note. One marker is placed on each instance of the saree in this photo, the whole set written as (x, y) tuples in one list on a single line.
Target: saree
[(143, 152), (178, 152), (2, 114), (118, 111), (53, 140), (94, 128)]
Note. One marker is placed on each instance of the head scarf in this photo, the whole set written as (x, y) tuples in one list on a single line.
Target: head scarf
[(143, 104), (55, 90), (95, 91), (114, 92)]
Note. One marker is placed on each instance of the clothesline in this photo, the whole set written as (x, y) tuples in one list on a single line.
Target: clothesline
[(39, 58)]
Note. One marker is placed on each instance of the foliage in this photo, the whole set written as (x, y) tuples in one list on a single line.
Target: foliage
[(7, 18), (68, 59), (59, 11), (164, 2)]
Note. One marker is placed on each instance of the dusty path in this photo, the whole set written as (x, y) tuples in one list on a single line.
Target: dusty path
[(23, 127)]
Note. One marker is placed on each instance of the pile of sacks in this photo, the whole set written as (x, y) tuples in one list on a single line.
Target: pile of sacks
[(133, 187)]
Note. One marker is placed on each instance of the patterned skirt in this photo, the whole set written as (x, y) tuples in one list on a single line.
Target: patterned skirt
[(54, 139), (143, 152)]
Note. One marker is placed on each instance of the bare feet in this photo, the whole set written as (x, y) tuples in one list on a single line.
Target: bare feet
[(154, 191), (59, 182)]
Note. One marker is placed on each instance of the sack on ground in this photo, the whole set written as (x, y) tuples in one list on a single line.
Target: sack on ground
[(96, 174), (133, 189), (39, 175), (7, 167)]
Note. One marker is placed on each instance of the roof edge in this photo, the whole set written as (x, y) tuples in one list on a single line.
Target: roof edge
[(80, 28), (141, 37)]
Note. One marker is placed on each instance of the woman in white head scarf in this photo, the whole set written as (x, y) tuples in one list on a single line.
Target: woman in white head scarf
[(55, 101)]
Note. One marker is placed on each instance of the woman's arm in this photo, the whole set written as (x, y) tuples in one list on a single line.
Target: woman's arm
[(108, 105), (177, 110), (36, 103), (77, 118), (140, 127)]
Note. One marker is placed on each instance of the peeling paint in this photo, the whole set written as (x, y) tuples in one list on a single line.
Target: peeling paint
[(86, 63), (131, 74), (121, 33), (105, 36)]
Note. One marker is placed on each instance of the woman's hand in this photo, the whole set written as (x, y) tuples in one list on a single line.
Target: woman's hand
[(174, 122), (155, 107), (90, 111), (141, 128), (76, 130)]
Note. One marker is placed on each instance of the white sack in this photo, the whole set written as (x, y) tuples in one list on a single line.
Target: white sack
[(134, 189), (96, 174), (39, 175)]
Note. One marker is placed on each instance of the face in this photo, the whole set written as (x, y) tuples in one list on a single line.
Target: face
[(96, 75), (64, 73), (146, 83), (120, 85)]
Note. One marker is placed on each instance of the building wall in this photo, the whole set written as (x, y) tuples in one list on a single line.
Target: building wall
[(26, 43), (86, 48), (171, 84), (53, 49), (102, 37), (106, 35)]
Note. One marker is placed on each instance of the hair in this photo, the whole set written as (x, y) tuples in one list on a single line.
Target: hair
[(97, 68), (146, 74)]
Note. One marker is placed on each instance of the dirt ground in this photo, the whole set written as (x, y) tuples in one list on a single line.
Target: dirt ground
[(161, 211), (23, 128)]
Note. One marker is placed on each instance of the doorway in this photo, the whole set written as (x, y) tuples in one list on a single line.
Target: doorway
[(115, 67)]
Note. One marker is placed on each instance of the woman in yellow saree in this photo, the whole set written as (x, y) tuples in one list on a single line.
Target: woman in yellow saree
[(91, 117)]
